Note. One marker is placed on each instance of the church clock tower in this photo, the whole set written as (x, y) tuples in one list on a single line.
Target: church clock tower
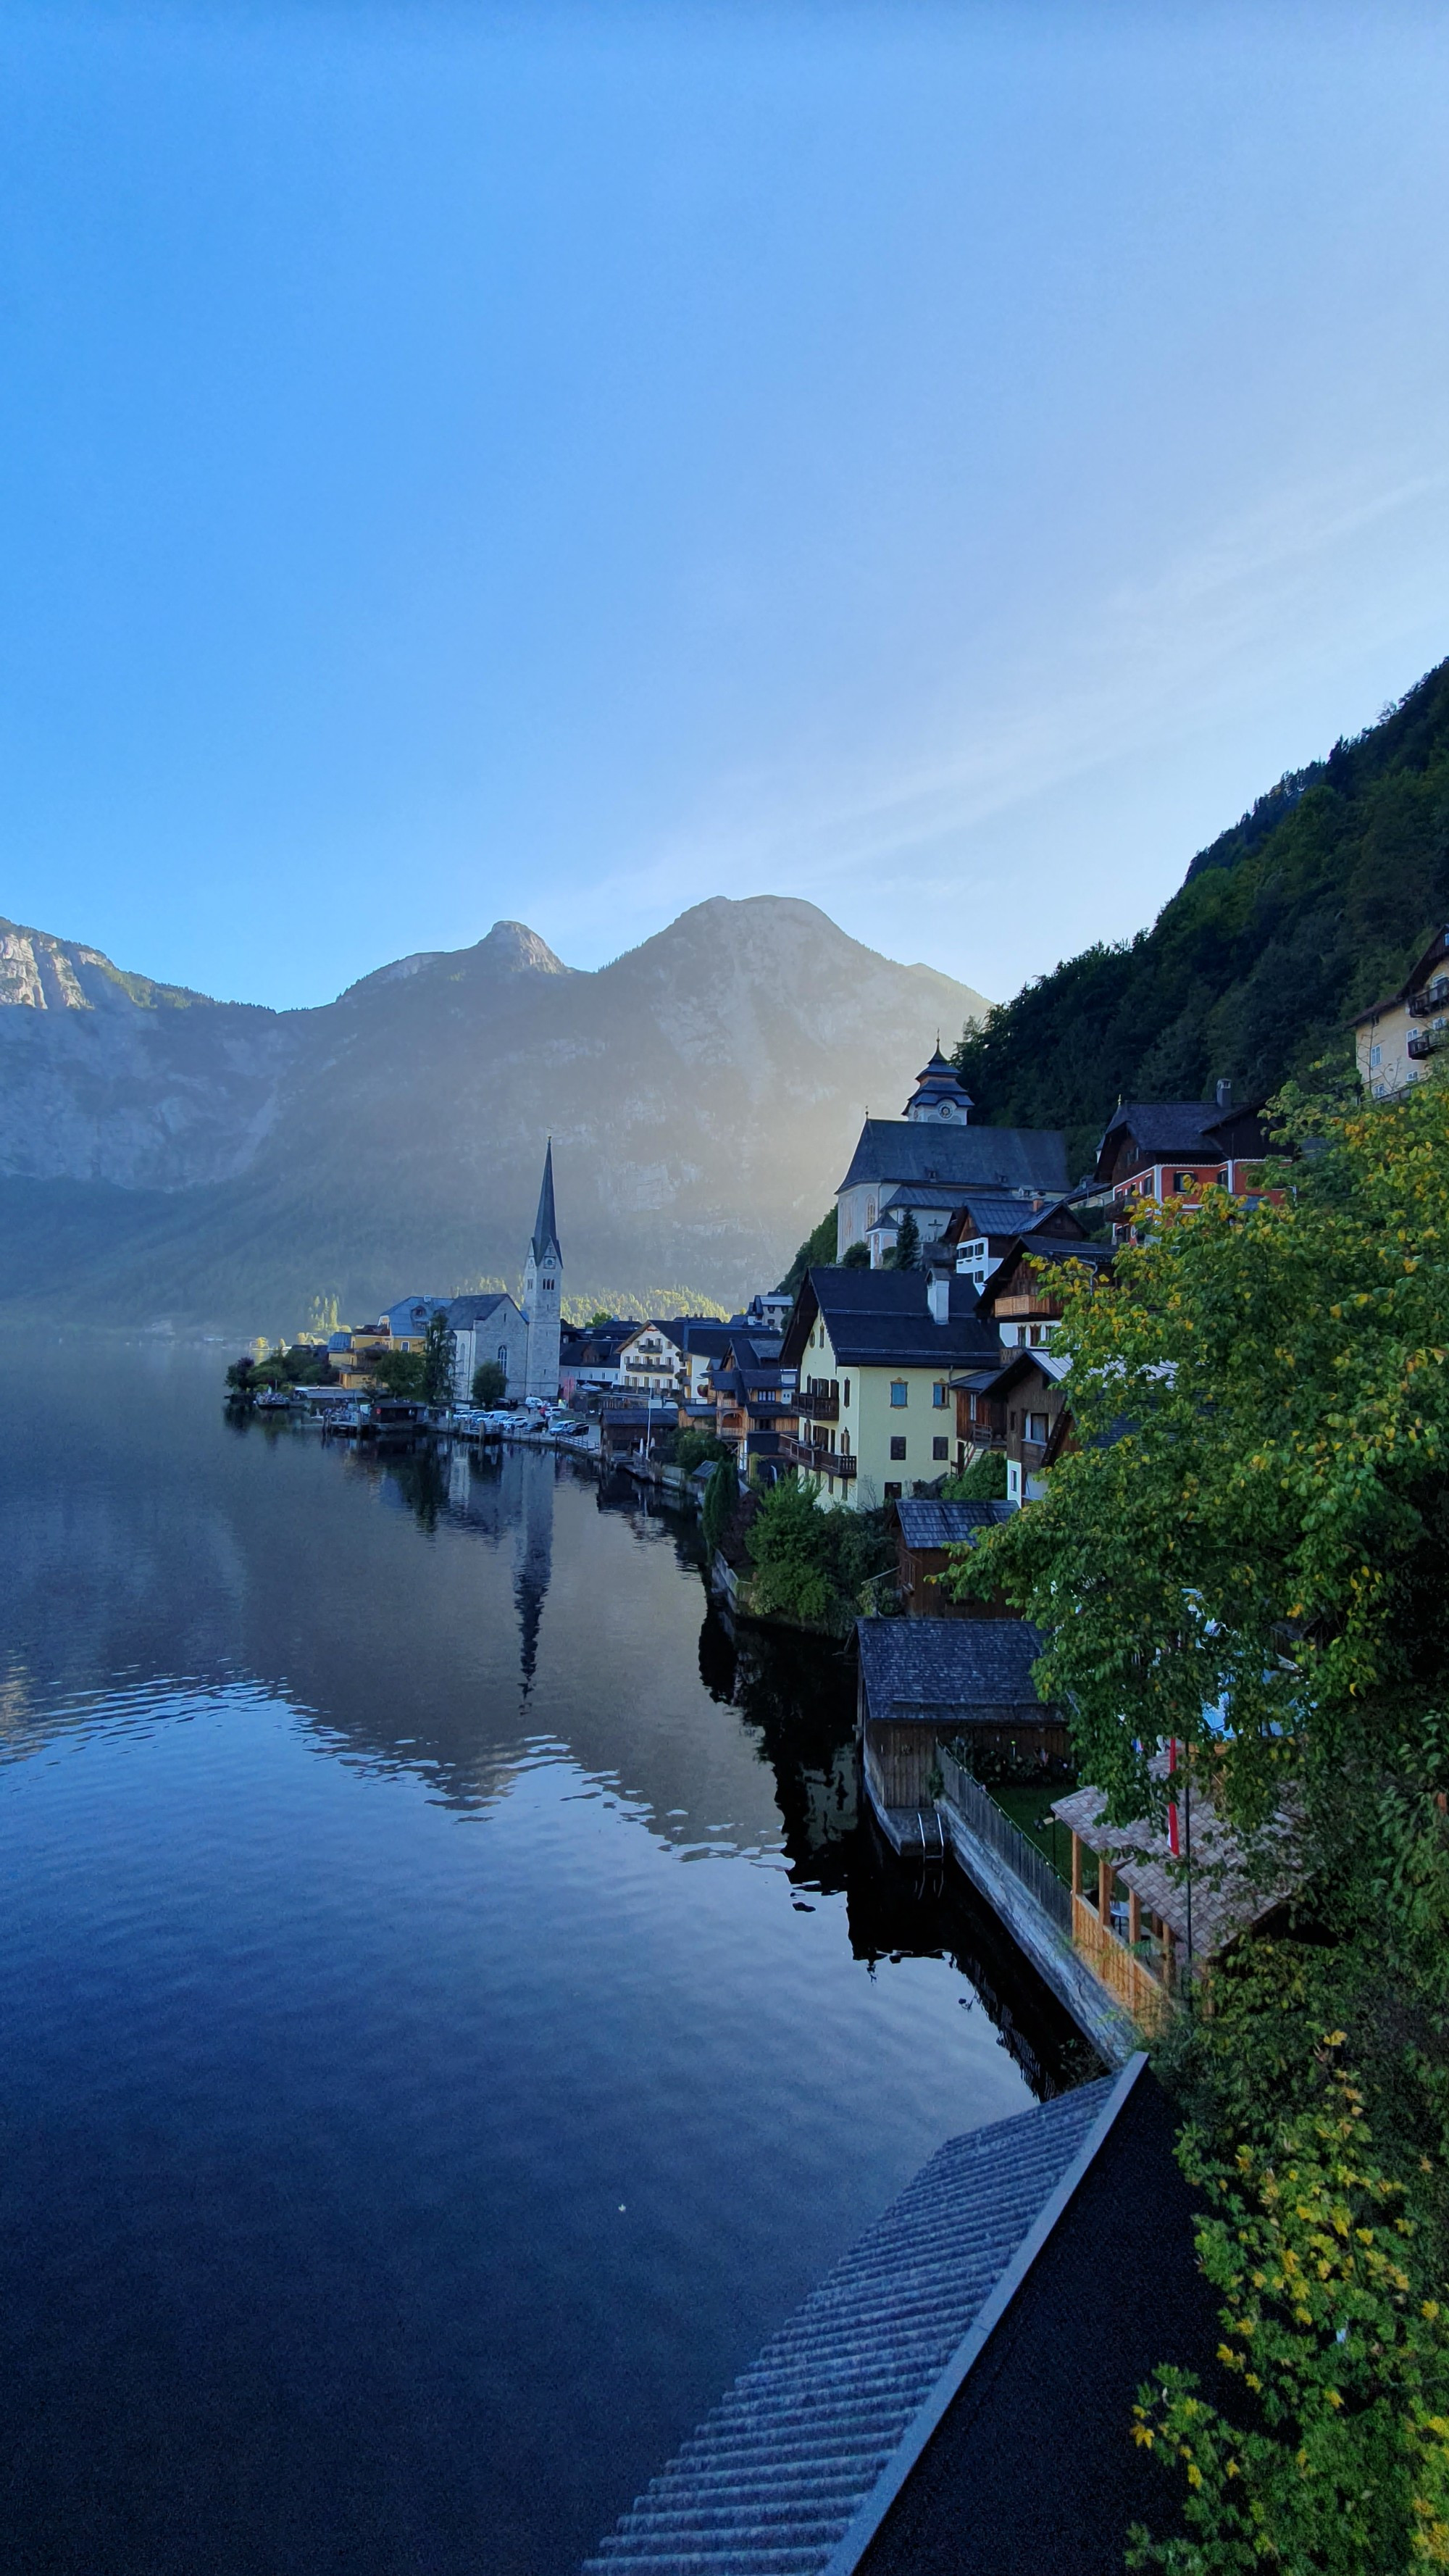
[(543, 1292)]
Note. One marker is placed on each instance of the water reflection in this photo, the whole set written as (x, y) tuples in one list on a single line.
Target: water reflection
[(472, 2004)]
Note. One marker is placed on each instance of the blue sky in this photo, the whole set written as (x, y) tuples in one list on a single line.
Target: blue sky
[(564, 462)]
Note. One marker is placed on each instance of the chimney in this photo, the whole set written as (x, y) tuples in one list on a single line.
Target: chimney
[(938, 1296), (1225, 1095)]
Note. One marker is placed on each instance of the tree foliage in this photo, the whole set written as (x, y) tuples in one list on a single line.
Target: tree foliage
[(815, 1565), (817, 1252), (907, 1252), (1247, 1551), (401, 1373), (1337, 2457), (438, 1349), (490, 1384), (1308, 910), (721, 1500), (984, 1481)]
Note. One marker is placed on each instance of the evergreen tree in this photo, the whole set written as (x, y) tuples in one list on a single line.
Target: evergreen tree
[(907, 1253), (438, 1360)]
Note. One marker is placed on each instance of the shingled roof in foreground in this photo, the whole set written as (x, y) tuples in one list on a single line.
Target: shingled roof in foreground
[(793, 2472)]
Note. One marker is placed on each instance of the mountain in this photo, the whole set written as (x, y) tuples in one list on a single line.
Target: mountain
[(1306, 911), (167, 1157)]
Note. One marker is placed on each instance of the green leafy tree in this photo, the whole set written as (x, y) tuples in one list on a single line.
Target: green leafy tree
[(697, 1448), (984, 1481), (600, 1318), (1337, 2458), (814, 1565), (437, 1356), (721, 1501), (817, 1252), (907, 1253), (400, 1373), (490, 1384), (1245, 1552), (856, 1256)]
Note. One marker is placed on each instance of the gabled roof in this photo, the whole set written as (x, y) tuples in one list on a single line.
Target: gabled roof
[(881, 1319), (464, 1312), (999, 1212), (938, 1667), (1051, 1365), (1227, 1895), (927, 1523), (1159, 1130), (894, 1150), (812, 2443)]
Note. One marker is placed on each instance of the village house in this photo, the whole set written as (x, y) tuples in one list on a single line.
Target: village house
[(754, 1401), (925, 1684), (652, 1362), (986, 1224), (353, 1353), (1022, 1298), (934, 1147), (1396, 1041), (588, 1359), (926, 1528), (1161, 1149), (873, 1353)]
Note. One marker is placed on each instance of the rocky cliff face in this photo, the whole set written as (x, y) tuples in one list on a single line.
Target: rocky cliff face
[(208, 1161)]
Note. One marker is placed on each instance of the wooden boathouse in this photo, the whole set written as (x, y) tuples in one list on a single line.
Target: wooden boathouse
[(924, 1683)]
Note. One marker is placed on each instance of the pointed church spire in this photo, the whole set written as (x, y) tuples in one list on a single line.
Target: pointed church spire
[(545, 1224)]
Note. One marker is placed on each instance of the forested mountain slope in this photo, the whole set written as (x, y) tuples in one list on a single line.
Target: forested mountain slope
[(1306, 911)]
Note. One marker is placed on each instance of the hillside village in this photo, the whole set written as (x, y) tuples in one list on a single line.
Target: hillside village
[(908, 1392)]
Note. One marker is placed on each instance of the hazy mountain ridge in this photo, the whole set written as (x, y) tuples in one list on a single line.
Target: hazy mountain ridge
[(217, 1162)]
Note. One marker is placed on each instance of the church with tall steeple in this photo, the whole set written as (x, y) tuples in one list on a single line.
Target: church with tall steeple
[(543, 1292), (522, 1342)]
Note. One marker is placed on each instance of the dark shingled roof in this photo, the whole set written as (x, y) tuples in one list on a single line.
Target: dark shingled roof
[(465, 1311), (897, 1150), (1159, 1129), (925, 1667), (935, 1524), (881, 1319), (809, 2444), (1002, 1212)]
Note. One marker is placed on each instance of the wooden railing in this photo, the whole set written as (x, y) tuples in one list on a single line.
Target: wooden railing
[(822, 1407), (817, 1461), (1119, 1969), (1006, 1839)]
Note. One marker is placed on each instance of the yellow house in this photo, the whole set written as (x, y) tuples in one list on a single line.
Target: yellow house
[(1398, 1039), (873, 1352)]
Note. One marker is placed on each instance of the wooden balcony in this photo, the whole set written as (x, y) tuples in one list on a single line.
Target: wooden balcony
[(815, 1459), (823, 1407)]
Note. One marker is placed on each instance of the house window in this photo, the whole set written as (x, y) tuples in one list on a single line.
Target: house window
[(898, 1446), (893, 1493), (899, 1392), (1036, 1428), (847, 1391), (938, 1394), (1184, 1183), (940, 1448), (1376, 1055)]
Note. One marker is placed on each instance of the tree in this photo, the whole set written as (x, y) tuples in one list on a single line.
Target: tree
[(984, 1481), (817, 1252), (400, 1373), (1245, 1552), (490, 1383), (438, 1360), (813, 1565), (908, 1245), (596, 1320), (856, 1256), (721, 1500), (694, 1448)]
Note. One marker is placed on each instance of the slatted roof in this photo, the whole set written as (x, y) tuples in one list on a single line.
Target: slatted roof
[(928, 1523), (794, 2469)]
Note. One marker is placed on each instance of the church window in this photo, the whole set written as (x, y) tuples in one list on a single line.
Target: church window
[(548, 1283)]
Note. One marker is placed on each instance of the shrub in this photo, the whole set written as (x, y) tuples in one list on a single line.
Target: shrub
[(490, 1385)]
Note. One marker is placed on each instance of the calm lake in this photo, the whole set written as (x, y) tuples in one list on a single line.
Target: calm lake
[(452, 2009)]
